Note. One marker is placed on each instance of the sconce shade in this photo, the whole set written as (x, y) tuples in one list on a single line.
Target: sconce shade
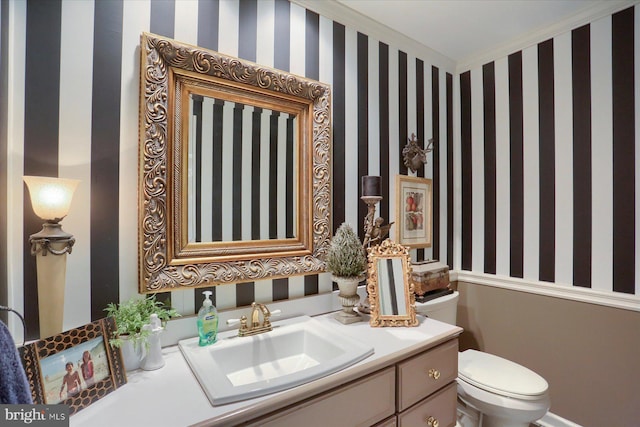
[(51, 197)]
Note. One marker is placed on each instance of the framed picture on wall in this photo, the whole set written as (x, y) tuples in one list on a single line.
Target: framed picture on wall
[(74, 368), (413, 211)]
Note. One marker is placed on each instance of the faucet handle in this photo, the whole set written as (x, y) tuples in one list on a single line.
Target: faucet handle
[(232, 322), (242, 320), (267, 317), (255, 327)]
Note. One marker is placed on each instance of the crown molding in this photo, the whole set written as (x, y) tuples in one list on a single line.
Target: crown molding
[(348, 17), (585, 16), (336, 11)]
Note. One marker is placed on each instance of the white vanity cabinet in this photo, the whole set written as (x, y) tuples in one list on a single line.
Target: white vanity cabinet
[(417, 391), (363, 402), (409, 379), (427, 388)]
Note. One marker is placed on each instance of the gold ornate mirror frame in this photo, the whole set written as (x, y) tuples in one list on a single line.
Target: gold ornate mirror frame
[(392, 303), (169, 72)]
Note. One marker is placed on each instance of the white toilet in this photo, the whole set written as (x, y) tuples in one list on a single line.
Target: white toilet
[(492, 391)]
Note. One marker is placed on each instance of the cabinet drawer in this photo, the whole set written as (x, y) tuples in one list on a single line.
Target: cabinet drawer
[(421, 375), (389, 422), (440, 407), (361, 403)]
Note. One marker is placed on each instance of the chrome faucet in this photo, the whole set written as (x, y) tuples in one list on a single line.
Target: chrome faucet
[(255, 327)]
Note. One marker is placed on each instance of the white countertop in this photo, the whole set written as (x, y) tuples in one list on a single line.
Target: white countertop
[(171, 396)]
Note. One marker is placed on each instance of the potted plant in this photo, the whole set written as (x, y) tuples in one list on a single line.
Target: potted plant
[(130, 317), (347, 263)]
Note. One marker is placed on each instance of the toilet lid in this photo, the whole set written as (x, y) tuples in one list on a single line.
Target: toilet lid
[(498, 375)]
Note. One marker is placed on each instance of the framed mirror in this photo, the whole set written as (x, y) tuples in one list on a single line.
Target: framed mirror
[(391, 294), (234, 172)]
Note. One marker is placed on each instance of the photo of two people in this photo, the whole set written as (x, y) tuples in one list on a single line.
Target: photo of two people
[(77, 368)]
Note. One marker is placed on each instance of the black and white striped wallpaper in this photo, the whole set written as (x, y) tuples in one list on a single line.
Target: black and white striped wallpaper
[(73, 106), (244, 157), (550, 157), (547, 141)]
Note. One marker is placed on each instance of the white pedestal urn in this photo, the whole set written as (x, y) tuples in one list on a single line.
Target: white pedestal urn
[(348, 297)]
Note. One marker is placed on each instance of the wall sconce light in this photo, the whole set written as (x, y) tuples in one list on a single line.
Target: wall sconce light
[(51, 199)]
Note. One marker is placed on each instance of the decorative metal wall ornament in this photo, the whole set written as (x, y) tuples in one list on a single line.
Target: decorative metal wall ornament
[(413, 156), (166, 259)]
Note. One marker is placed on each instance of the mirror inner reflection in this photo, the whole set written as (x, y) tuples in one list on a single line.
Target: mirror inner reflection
[(391, 287), (242, 163)]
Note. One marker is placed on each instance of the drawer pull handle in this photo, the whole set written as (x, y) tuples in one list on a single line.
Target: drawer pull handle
[(434, 373), (432, 422)]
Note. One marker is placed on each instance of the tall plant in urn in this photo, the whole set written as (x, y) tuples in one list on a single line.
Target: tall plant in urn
[(347, 263)]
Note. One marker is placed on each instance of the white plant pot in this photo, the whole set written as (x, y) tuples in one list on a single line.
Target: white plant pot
[(348, 297), (132, 355)]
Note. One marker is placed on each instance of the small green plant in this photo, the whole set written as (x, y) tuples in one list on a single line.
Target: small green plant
[(345, 257), (130, 316)]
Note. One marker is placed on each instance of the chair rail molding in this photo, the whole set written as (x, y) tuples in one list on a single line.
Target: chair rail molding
[(557, 290)]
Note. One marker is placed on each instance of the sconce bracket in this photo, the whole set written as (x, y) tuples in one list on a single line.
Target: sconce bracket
[(51, 239)]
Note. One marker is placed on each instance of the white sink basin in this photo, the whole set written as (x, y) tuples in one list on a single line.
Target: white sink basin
[(297, 351)]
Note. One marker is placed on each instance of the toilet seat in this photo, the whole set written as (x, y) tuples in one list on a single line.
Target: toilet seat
[(518, 412), (500, 376)]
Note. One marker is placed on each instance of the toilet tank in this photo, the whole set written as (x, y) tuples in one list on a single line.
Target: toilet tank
[(443, 308)]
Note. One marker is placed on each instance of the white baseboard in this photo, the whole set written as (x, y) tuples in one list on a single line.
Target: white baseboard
[(553, 420)]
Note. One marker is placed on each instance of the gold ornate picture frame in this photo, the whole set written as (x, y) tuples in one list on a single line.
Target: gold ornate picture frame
[(75, 368), (391, 293), (171, 71), (413, 211)]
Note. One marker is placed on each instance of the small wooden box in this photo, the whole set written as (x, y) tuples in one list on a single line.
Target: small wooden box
[(429, 275)]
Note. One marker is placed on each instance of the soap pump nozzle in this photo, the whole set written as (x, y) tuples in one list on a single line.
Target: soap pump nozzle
[(207, 301)]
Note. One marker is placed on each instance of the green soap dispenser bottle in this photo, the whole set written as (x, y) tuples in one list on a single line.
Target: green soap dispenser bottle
[(207, 321)]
